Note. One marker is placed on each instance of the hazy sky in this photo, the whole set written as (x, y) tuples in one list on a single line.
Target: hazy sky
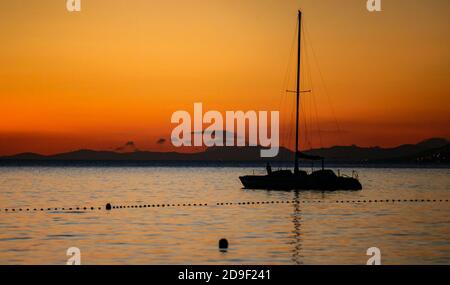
[(116, 71)]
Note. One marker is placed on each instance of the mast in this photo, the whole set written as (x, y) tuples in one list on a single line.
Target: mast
[(298, 93)]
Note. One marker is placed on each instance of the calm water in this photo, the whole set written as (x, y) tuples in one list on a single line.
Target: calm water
[(307, 233)]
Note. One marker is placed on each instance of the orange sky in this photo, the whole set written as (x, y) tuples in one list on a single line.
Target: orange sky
[(117, 71)]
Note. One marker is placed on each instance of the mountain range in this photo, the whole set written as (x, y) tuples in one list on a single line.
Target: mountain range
[(431, 151)]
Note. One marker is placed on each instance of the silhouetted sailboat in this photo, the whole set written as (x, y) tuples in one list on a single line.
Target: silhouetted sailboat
[(324, 179)]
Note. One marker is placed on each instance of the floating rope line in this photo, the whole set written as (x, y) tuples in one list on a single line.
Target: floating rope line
[(69, 209), (109, 206)]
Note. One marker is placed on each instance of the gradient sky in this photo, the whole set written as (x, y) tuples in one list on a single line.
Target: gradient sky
[(117, 71)]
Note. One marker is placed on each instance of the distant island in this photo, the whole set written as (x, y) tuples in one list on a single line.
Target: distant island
[(431, 152)]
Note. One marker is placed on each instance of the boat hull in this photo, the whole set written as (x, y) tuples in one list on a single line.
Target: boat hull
[(323, 181)]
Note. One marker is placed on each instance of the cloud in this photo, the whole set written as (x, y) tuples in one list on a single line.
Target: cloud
[(161, 141), (127, 147)]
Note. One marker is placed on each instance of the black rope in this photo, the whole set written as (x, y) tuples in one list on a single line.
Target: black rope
[(109, 206)]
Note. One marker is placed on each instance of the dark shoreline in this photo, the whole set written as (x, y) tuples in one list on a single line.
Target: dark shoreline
[(431, 153), (212, 164)]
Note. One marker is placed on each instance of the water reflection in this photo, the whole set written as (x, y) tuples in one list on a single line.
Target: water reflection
[(297, 237), (284, 233)]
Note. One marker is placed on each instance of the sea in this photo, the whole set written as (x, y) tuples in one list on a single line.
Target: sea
[(177, 215)]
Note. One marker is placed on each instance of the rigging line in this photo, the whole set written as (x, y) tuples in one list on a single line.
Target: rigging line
[(290, 126), (286, 124), (286, 81), (303, 107), (290, 99), (304, 118), (291, 56), (313, 97), (292, 123), (287, 119), (305, 132), (319, 130), (311, 122), (333, 113), (307, 100), (314, 118)]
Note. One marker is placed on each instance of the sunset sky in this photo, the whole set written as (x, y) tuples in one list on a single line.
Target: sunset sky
[(117, 70)]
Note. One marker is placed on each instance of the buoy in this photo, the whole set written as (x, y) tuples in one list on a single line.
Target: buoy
[(108, 207), (223, 245)]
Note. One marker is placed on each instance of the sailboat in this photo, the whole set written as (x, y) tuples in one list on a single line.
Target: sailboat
[(324, 179)]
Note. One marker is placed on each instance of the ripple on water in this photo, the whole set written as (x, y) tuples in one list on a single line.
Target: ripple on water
[(281, 233)]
